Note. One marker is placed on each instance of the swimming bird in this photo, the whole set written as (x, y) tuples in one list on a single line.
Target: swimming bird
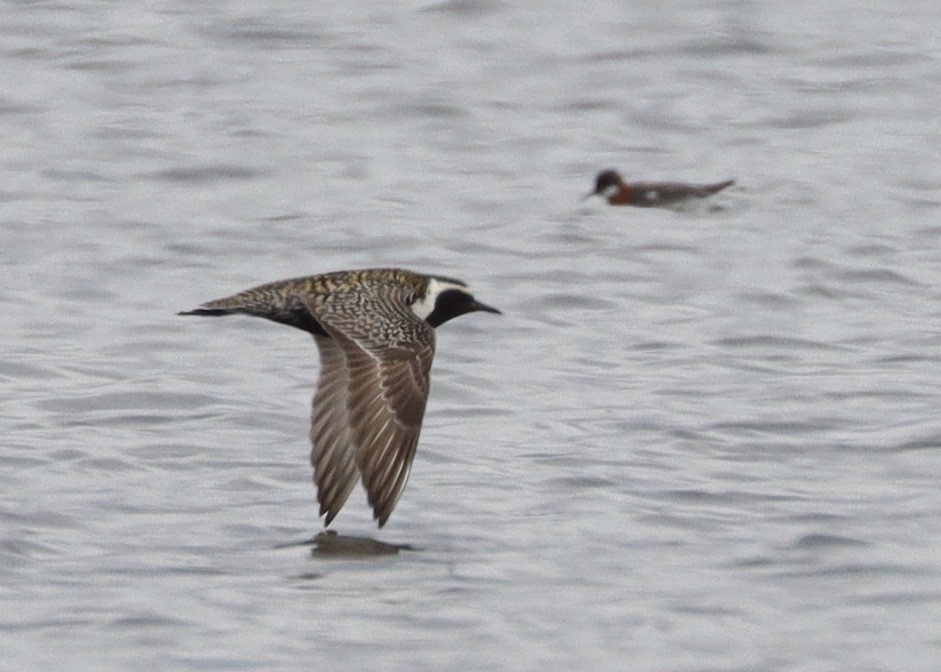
[(610, 185), (375, 331)]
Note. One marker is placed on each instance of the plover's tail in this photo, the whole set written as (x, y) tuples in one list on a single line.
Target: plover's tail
[(208, 311), (245, 302), (281, 302), (271, 301)]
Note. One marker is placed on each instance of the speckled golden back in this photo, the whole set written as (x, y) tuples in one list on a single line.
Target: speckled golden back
[(285, 295)]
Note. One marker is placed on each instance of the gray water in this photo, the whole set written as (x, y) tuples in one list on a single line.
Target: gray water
[(704, 440)]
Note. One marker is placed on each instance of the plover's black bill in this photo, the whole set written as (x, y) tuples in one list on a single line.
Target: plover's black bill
[(477, 305)]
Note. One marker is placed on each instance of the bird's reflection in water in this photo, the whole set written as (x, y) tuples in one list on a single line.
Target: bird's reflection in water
[(329, 544)]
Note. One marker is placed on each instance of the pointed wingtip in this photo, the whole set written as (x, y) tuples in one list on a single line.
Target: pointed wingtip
[(381, 513)]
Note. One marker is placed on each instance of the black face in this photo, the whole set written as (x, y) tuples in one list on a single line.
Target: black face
[(453, 303), (605, 179)]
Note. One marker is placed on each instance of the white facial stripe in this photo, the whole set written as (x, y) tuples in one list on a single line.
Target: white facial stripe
[(426, 304), (610, 190)]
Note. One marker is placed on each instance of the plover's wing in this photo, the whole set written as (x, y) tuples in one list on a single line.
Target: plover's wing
[(333, 452), (388, 352)]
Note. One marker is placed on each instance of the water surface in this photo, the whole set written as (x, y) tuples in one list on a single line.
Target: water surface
[(699, 440)]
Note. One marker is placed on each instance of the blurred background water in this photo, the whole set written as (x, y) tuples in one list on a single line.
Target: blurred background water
[(704, 440)]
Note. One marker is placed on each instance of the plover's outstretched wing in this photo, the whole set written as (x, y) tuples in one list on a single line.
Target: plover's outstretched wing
[(334, 449), (385, 351)]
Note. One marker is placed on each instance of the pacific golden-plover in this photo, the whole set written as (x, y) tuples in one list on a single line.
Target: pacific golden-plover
[(374, 330)]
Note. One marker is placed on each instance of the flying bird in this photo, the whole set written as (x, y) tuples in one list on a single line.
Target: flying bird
[(375, 331)]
